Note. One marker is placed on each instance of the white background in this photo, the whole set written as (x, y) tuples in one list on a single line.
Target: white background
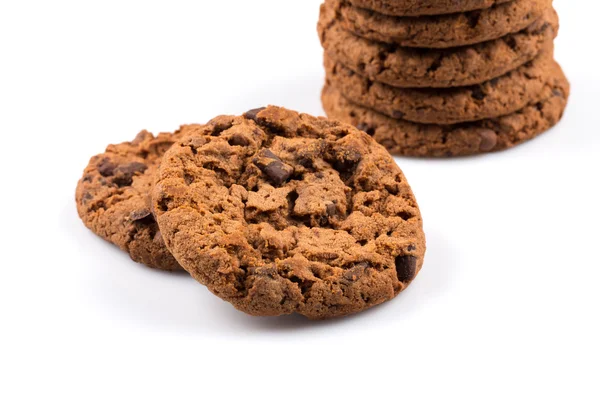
[(507, 305)]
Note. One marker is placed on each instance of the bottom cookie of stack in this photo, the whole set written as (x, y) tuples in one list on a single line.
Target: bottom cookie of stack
[(425, 140)]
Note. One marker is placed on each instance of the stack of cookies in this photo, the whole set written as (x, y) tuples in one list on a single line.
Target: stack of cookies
[(441, 78)]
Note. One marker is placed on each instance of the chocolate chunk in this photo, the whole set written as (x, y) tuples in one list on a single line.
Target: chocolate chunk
[(88, 178), (366, 128), (253, 114), (331, 210), (269, 154), (106, 167), (139, 215), (277, 172), (123, 174), (346, 160), (406, 268), (412, 247), (354, 273), (238, 140), (87, 196), (489, 140), (477, 93)]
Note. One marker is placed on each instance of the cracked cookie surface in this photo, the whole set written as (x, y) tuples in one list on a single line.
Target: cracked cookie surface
[(491, 99), (422, 140), (412, 68), (113, 197), (278, 212), (415, 8), (441, 31)]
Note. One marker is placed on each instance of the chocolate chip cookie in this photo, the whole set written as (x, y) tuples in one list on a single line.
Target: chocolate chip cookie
[(418, 140), (416, 8), (278, 212), (412, 68), (440, 31), (113, 197), (509, 93)]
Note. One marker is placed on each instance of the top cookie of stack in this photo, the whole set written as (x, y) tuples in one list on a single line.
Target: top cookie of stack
[(442, 77)]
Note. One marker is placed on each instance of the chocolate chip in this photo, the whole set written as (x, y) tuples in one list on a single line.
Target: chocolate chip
[(277, 172), (269, 154), (366, 128), (331, 210), (305, 161), (253, 114), (131, 169), (406, 268), (398, 114), (511, 42), (489, 140), (87, 196), (412, 247), (123, 174), (353, 274), (106, 167), (141, 214), (219, 127), (238, 140), (474, 18), (557, 93), (477, 93), (346, 161), (188, 179)]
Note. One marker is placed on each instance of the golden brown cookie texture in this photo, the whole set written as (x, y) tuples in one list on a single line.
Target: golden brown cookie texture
[(501, 96), (435, 68), (428, 140), (113, 196), (278, 212), (440, 31)]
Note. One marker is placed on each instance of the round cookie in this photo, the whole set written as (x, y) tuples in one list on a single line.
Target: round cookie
[(418, 140), (509, 93), (442, 31), (413, 68), (278, 212), (415, 8), (113, 197)]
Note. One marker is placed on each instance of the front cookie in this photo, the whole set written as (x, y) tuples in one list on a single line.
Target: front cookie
[(279, 213)]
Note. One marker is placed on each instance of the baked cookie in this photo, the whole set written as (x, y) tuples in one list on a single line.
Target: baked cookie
[(113, 196), (415, 8), (440, 31), (407, 67), (278, 212), (417, 140), (509, 93)]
